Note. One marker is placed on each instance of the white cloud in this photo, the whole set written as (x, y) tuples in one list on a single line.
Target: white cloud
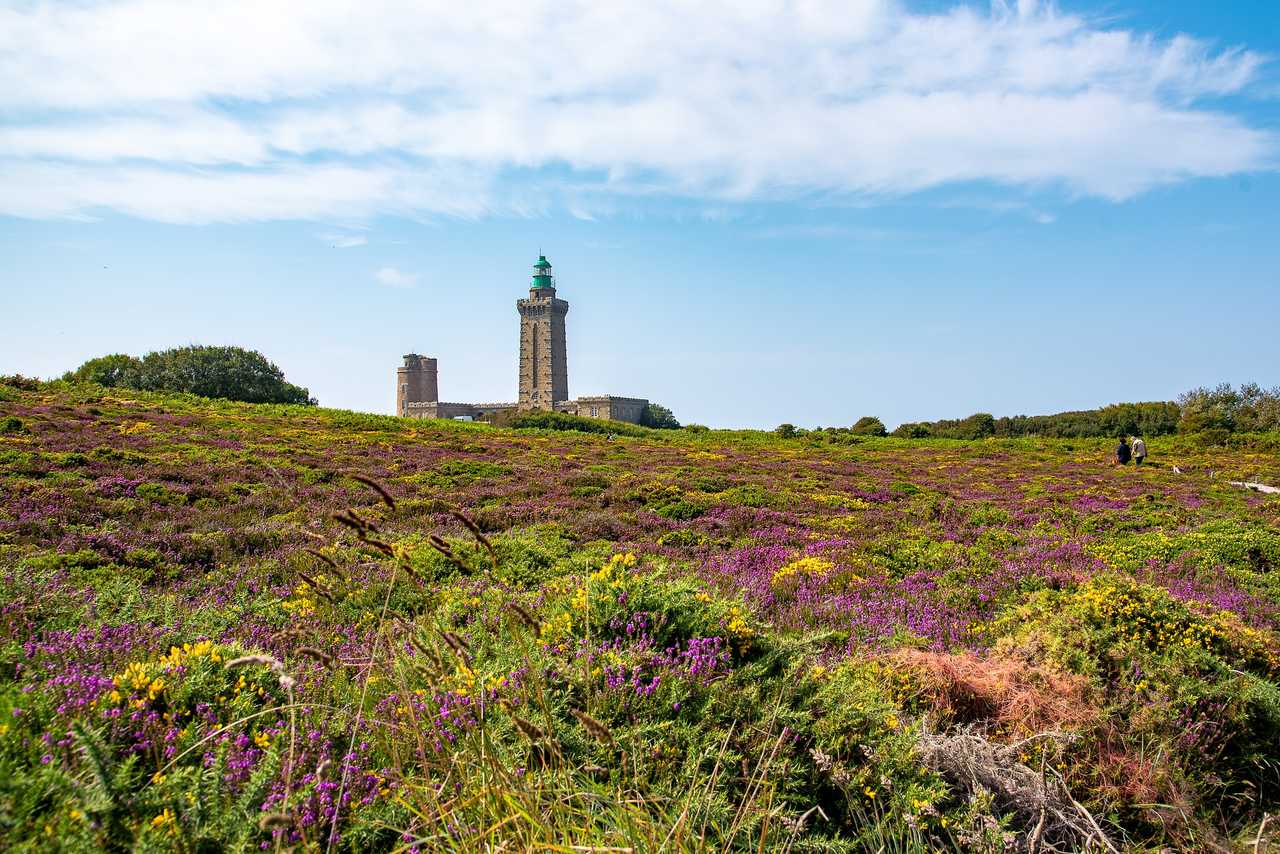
[(268, 109), (196, 196), (393, 278), (344, 241)]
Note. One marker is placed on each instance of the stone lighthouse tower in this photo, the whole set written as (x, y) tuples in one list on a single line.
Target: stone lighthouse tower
[(544, 368)]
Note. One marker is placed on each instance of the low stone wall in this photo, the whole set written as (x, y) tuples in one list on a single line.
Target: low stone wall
[(441, 409)]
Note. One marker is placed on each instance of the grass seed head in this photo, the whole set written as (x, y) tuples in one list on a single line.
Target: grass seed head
[(245, 660), (523, 616), (458, 645), (349, 521), (316, 586), (367, 526), (376, 487), (594, 728), (530, 731), (318, 654), (323, 558)]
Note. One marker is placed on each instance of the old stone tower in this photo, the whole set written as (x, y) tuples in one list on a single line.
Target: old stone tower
[(415, 382), (544, 365)]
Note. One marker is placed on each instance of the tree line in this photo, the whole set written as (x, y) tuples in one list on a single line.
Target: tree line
[(1156, 418), (1222, 409)]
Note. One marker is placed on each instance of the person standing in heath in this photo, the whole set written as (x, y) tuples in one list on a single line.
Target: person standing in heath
[(1139, 450), (1122, 452)]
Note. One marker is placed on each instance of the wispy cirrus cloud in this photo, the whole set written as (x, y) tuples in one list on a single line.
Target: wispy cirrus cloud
[(266, 109)]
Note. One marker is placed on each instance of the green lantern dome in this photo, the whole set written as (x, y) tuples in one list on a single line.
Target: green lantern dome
[(542, 277)]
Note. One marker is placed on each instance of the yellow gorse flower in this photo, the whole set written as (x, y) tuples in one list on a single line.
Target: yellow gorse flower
[(609, 580), (811, 566), (464, 680), (148, 677), (740, 633)]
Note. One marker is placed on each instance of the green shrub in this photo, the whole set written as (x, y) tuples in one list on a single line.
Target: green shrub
[(106, 454), (682, 538), (158, 493), (232, 373), (912, 430), (21, 383), (659, 417), (459, 472), (868, 425), (750, 495), (1093, 628), (564, 421)]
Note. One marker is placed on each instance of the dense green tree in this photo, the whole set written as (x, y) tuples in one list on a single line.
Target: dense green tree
[(117, 369), (980, 425), (659, 416), (1249, 408), (785, 431), (912, 430), (869, 425), (227, 372)]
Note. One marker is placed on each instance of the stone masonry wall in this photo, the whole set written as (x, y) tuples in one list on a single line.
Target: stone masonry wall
[(544, 363)]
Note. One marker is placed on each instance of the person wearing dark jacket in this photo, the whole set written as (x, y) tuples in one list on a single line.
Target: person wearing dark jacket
[(1122, 452)]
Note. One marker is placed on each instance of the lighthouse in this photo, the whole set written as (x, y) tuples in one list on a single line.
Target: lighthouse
[(544, 363)]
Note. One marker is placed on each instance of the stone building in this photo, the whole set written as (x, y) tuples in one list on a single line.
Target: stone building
[(544, 369)]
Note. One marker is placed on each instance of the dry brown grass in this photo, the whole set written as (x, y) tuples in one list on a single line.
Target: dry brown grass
[(1006, 695)]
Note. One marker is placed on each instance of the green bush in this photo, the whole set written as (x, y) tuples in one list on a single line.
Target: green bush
[(912, 430), (232, 373), (564, 421), (20, 382), (158, 493), (659, 417), (868, 425)]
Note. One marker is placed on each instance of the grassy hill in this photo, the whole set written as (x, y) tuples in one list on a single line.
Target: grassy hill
[(234, 627)]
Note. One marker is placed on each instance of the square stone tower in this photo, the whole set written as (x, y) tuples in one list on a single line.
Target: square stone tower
[(544, 364), (415, 382)]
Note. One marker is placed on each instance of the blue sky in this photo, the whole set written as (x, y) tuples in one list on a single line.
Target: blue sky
[(759, 212)]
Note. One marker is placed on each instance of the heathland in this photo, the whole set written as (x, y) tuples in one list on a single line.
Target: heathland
[(231, 626)]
